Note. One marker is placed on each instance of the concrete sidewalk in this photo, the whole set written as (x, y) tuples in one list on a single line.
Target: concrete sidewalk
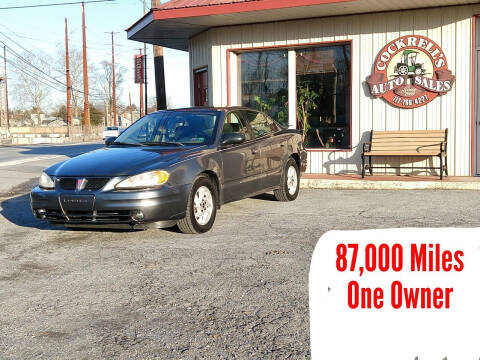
[(388, 182)]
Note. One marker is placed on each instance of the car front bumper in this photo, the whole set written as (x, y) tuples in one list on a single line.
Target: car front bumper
[(112, 209)]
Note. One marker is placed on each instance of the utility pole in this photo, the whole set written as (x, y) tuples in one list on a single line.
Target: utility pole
[(159, 77), (113, 85), (1, 99), (107, 109), (145, 58), (130, 107), (159, 66), (6, 88), (69, 84), (142, 113), (86, 105), (146, 87)]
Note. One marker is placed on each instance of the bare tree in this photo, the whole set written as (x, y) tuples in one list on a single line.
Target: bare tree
[(32, 83), (103, 84)]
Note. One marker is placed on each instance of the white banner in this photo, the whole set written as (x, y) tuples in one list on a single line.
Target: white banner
[(399, 294)]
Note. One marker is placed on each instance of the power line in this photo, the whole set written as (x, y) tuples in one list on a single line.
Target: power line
[(30, 38), (54, 4), (29, 73), (43, 72), (27, 51), (42, 80), (13, 52)]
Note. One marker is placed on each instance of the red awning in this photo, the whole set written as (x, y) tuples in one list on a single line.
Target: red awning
[(175, 22), (180, 4)]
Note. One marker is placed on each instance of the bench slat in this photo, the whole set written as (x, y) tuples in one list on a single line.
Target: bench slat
[(402, 153), (395, 132), (406, 146), (398, 153), (409, 150), (408, 140)]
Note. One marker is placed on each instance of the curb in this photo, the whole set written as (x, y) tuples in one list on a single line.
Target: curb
[(387, 185)]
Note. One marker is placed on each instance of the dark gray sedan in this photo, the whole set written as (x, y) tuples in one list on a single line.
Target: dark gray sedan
[(173, 167)]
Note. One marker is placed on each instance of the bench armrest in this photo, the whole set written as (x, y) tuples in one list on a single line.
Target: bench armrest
[(367, 146), (443, 147)]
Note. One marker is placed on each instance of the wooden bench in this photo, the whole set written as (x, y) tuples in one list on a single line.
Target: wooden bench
[(421, 143)]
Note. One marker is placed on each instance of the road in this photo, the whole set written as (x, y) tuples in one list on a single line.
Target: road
[(237, 292), (21, 163)]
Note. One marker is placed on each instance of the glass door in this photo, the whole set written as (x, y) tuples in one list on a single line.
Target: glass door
[(323, 96)]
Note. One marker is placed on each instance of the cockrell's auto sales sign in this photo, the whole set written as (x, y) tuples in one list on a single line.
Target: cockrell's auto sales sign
[(411, 71)]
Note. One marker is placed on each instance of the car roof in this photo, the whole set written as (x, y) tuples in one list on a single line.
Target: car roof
[(210, 108)]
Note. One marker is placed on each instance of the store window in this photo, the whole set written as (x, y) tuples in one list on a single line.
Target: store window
[(264, 82), (323, 96)]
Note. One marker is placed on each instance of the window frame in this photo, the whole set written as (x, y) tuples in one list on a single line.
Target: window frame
[(266, 117), (238, 51), (239, 75), (245, 124)]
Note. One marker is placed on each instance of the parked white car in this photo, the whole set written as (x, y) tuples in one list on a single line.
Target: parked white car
[(112, 131)]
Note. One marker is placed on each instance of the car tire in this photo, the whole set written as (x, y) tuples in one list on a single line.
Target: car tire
[(201, 207), (289, 182)]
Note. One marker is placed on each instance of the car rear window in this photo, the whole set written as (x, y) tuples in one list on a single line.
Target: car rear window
[(260, 123), (112, 128)]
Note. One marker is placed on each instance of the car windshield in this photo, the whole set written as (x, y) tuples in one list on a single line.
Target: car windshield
[(172, 127)]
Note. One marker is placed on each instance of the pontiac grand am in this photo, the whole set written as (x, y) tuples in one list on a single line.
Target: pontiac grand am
[(173, 167)]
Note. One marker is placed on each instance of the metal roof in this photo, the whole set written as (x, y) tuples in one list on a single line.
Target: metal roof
[(174, 23), (181, 4)]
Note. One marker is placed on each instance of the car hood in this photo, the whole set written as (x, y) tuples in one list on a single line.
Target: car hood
[(125, 160)]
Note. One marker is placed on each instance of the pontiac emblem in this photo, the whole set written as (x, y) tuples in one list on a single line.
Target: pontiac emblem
[(81, 184)]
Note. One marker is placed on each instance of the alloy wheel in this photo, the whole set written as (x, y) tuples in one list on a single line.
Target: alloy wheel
[(292, 180), (203, 205)]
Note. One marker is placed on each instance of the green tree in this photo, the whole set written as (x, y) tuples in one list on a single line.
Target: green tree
[(96, 115), (61, 112)]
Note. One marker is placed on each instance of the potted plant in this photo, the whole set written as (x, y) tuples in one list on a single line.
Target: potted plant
[(306, 98)]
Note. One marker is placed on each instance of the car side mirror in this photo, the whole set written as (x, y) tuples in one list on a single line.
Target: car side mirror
[(109, 141), (232, 139)]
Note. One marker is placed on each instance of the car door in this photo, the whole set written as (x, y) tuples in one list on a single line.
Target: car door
[(272, 147), (242, 167)]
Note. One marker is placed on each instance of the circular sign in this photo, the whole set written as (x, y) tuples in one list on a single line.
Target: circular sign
[(410, 71)]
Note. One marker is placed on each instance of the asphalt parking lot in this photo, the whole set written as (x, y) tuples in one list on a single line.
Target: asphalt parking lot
[(238, 292)]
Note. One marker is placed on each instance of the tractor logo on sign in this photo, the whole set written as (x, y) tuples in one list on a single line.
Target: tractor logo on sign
[(410, 72)]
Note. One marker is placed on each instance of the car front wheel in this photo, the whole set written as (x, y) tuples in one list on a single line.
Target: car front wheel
[(289, 183), (201, 207)]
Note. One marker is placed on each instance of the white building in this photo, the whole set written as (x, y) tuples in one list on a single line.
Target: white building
[(277, 55)]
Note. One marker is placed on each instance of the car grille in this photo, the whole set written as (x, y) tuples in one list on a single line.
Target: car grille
[(89, 217), (93, 184)]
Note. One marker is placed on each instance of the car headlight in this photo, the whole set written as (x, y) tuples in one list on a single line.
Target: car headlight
[(145, 180), (46, 182)]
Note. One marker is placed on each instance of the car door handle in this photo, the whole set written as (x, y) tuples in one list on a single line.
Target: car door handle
[(282, 145), (254, 152)]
